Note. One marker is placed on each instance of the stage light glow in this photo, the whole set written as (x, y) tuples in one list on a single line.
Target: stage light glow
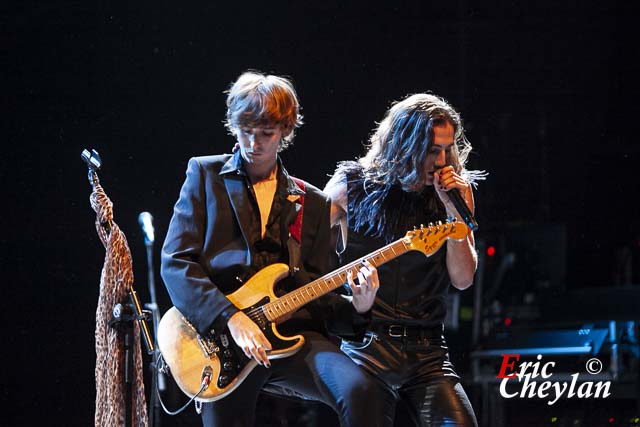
[(491, 251)]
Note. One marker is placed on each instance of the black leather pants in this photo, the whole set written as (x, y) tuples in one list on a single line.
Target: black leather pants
[(320, 372), (421, 386)]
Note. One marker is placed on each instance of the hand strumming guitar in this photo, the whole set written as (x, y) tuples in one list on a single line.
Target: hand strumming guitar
[(249, 338)]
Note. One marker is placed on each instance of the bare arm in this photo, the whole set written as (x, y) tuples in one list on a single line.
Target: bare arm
[(364, 293), (336, 189), (462, 258)]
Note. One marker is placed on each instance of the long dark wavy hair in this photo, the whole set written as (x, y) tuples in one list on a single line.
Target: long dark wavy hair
[(392, 174)]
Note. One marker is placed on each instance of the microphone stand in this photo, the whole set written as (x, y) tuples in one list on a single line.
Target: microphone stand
[(158, 380), (123, 314)]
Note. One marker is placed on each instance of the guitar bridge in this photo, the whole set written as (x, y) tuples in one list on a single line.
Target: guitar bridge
[(208, 346)]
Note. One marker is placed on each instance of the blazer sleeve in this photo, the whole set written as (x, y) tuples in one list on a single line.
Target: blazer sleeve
[(190, 288)]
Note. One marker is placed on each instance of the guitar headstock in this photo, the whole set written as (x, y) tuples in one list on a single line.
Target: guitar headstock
[(428, 239)]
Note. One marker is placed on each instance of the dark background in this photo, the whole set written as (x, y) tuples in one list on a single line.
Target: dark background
[(547, 91)]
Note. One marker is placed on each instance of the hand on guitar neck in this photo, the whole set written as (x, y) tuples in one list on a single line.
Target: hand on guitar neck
[(364, 294), (249, 338)]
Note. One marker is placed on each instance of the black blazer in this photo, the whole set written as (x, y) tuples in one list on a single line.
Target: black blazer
[(206, 251)]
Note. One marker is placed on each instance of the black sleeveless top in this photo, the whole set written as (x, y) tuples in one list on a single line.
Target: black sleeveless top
[(413, 287)]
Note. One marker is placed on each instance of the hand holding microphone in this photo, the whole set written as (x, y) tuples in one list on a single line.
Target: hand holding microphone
[(446, 181)]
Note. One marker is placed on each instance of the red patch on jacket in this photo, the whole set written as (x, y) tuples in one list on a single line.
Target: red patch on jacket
[(295, 229)]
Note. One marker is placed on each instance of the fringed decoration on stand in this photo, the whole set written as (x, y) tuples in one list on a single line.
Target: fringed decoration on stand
[(115, 282)]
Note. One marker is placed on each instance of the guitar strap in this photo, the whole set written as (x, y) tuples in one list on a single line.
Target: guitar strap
[(295, 231)]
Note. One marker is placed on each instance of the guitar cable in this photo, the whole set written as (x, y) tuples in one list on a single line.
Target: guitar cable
[(206, 380)]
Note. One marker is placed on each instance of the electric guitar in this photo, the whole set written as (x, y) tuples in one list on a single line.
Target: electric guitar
[(209, 367)]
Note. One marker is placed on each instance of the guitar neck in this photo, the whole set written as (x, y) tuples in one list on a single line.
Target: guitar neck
[(327, 283)]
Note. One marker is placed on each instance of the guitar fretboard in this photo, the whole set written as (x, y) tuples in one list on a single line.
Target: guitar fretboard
[(325, 284)]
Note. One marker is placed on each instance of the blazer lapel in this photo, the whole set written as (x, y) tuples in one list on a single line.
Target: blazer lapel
[(287, 217), (235, 185), (239, 199)]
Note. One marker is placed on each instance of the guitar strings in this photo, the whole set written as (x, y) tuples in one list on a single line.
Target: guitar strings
[(258, 313), (255, 313)]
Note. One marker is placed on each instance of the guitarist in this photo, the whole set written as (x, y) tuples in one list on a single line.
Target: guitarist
[(238, 213), (417, 155)]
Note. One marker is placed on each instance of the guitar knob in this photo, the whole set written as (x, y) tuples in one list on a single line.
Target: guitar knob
[(227, 366), (227, 354), (223, 380)]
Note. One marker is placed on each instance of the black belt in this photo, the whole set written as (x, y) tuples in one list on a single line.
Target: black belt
[(398, 331)]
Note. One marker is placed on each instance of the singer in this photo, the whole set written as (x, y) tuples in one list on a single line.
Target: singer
[(416, 156)]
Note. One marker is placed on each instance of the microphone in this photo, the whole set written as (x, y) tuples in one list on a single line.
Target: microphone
[(462, 208), (145, 220)]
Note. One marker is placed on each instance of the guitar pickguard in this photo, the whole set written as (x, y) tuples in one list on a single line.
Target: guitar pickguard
[(231, 357)]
